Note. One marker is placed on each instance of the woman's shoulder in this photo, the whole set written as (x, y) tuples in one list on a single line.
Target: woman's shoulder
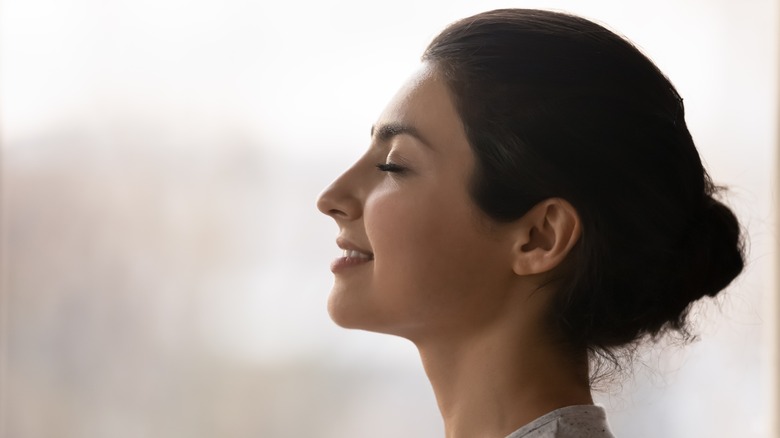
[(583, 421)]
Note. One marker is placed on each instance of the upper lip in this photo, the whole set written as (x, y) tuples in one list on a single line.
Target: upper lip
[(343, 243)]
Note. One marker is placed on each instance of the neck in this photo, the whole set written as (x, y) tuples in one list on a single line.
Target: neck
[(492, 383)]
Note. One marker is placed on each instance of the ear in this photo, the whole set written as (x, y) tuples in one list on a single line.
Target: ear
[(545, 235)]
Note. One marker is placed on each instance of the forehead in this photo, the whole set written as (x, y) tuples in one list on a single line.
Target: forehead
[(424, 102)]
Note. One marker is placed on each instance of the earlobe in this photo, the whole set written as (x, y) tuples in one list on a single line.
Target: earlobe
[(545, 236)]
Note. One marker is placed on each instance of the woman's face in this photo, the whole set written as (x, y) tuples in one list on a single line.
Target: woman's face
[(419, 257)]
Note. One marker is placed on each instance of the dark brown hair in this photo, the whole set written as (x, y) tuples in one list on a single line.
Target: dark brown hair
[(557, 106)]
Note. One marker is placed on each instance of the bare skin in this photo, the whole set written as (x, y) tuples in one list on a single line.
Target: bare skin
[(422, 262), (500, 379)]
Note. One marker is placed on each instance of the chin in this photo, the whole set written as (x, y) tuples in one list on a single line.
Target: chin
[(342, 313), (349, 314)]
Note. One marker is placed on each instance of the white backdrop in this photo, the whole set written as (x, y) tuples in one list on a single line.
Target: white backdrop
[(164, 268)]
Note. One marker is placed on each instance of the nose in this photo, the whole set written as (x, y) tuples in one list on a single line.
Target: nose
[(340, 200)]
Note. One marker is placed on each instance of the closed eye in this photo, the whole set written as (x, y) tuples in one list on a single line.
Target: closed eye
[(390, 167)]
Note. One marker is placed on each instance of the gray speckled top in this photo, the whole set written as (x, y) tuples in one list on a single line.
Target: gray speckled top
[(584, 421)]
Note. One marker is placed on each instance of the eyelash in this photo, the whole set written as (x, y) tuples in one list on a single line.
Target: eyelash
[(390, 167)]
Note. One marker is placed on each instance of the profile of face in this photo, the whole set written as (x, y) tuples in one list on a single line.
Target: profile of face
[(420, 258)]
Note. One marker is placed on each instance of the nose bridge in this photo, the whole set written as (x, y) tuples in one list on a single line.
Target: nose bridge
[(341, 199)]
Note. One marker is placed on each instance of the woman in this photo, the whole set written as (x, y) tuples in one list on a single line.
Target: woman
[(530, 209)]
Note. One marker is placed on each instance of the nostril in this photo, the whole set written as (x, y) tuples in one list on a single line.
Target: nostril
[(328, 206), (340, 200), (325, 203), (334, 212)]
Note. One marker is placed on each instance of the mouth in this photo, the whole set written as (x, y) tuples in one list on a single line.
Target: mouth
[(355, 254), (350, 257)]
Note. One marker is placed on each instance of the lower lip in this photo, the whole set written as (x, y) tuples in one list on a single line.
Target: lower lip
[(343, 263)]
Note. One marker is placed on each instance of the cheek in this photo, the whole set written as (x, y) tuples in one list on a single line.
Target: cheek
[(402, 235), (428, 250), (407, 227)]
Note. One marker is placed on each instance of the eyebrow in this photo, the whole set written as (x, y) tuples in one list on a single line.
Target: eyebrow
[(386, 132)]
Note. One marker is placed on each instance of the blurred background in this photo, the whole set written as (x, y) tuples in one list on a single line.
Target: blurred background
[(165, 271)]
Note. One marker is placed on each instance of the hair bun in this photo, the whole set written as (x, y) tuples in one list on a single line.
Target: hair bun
[(712, 251)]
